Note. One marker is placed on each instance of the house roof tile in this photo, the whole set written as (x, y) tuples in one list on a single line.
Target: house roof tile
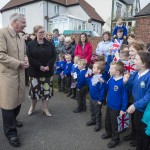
[(86, 7), (144, 12)]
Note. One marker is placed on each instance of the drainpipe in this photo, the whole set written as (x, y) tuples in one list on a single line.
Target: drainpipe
[(47, 15), (112, 12)]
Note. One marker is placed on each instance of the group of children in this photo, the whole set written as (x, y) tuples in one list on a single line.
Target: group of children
[(123, 79)]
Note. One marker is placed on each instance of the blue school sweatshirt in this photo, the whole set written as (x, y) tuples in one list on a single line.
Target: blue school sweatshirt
[(96, 91), (75, 69), (67, 70), (81, 81), (117, 98), (146, 119), (140, 88), (61, 65)]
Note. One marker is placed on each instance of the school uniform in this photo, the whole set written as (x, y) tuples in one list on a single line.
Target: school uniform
[(96, 91), (81, 91), (67, 73), (117, 100), (60, 66), (140, 87)]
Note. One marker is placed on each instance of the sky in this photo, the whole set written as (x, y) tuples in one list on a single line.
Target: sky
[(94, 3)]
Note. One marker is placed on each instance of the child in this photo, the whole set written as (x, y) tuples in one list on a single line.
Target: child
[(74, 72), (130, 38), (139, 83), (67, 74), (117, 101), (134, 48), (96, 90), (120, 26), (81, 87), (60, 66)]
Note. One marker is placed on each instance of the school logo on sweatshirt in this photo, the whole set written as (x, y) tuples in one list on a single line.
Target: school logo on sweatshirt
[(115, 88), (142, 84)]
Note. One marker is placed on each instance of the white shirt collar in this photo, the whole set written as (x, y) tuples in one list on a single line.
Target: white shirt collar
[(143, 73), (82, 69), (116, 79), (68, 62), (11, 28)]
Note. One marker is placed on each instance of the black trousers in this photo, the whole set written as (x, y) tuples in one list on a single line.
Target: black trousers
[(60, 82), (81, 98), (26, 77), (143, 141), (68, 83), (9, 121), (111, 124), (96, 114)]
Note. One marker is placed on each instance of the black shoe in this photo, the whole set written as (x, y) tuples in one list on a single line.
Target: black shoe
[(19, 124), (69, 94), (84, 108), (72, 97), (133, 143), (128, 137), (105, 136), (112, 143), (66, 92), (97, 128), (59, 90), (14, 141), (90, 123), (77, 111)]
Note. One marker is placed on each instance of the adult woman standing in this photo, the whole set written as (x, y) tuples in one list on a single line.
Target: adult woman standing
[(104, 46), (84, 48), (68, 48), (41, 54)]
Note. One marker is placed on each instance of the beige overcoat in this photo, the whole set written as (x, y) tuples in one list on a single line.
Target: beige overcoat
[(12, 77)]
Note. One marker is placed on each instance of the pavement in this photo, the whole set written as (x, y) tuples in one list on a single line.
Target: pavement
[(65, 130)]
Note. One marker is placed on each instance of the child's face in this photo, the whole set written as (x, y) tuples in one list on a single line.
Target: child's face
[(95, 69), (130, 40), (68, 59), (112, 70), (60, 58), (119, 34), (75, 60), (80, 66), (138, 62), (132, 52)]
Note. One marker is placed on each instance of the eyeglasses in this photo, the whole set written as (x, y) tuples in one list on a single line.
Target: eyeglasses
[(41, 32)]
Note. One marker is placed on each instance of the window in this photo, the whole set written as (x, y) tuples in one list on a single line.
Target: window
[(118, 11), (20, 10), (83, 26), (56, 9), (93, 27)]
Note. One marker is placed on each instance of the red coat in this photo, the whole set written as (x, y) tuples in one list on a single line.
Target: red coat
[(86, 53)]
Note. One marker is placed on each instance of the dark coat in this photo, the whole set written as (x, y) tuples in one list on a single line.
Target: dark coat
[(41, 55)]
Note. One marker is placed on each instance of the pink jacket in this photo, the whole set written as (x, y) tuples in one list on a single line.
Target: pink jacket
[(86, 53)]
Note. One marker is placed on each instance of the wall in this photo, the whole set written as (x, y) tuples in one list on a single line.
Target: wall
[(142, 29)]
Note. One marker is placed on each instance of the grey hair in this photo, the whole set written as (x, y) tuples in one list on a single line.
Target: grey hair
[(16, 16)]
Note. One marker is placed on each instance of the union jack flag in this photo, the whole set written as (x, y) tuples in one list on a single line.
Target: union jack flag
[(123, 121), (129, 67), (116, 45)]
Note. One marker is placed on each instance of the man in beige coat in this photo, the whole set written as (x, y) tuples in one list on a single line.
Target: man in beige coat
[(12, 82)]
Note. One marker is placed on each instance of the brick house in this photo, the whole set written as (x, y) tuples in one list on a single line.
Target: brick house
[(142, 28), (61, 14)]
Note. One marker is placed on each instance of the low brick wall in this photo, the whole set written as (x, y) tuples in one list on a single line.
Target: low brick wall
[(142, 29)]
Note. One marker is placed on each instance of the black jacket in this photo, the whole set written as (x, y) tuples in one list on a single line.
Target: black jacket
[(41, 55)]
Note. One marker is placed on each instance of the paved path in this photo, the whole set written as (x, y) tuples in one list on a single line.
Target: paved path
[(63, 131)]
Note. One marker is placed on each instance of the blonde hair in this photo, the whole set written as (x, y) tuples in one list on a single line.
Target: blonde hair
[(100, 65), (68, 39), (119, 66), (77, 57), (37, 28), (82, 62), (68, 56), (48, 33), (119, 21)]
